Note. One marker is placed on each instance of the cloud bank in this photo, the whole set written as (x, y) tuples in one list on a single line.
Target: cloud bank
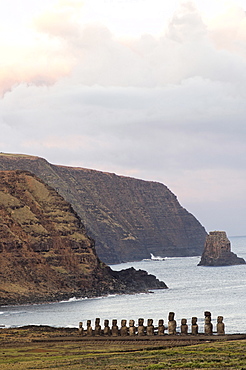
[(167, 107)]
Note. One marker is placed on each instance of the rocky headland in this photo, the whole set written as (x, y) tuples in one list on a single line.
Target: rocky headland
[(45, 252), (128, 218), (217, 251)]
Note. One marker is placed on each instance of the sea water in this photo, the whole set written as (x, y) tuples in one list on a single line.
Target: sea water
[(192, 290)]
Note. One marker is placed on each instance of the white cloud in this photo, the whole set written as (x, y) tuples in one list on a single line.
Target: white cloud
[(167, 107)]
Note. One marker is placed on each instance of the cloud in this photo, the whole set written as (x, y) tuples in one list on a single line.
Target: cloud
[(169, 108), (90, 54)]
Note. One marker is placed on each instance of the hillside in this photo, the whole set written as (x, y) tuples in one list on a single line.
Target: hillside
[(128, 218), (45, 253)]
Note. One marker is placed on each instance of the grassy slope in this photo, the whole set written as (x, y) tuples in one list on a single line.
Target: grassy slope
[(18, 352)]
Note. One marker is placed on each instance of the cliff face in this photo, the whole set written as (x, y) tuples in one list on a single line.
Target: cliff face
[(45, 253), (128, 218), (217, 251)]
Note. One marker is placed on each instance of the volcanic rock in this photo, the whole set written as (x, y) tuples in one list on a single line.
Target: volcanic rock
[(45, 253), (217, 251), (128, 218)]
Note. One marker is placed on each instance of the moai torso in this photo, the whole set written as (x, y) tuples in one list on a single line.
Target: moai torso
[(81, 329), (184, 327), (132, 328), (141, 327), (89, 331), (161, 327), (171, 323), (97, 327), (194, 326), (150, 327), (220, 325), (123, 329), (115, 329), (106, 330)]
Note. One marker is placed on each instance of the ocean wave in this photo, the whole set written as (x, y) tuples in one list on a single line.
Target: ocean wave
[(73, 299), (154, 258)]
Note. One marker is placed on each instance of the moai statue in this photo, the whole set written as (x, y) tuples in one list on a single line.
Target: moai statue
[(115, 329), (194, 326), (208, 326), (220, 325), (161, 327), (123, 329), (184, 327), (150, 327), (132, 328), (89, 331), (106, 330), (81, 329), (141, 327), (171, 323), (97, 327)]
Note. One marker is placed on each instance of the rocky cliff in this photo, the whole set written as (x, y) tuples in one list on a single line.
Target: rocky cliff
[(45, 253), (217, 251), (128, 218)]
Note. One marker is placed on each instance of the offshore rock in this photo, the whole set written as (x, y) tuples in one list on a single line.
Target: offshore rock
[(128, 218), (45, 253), (217, 251)]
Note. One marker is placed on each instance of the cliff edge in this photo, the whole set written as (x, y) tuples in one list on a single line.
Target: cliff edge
[(128, 218), (217, 251), (45, 253)]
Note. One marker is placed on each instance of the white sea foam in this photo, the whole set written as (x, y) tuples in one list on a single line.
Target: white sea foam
[(156, 258), (73, 299)]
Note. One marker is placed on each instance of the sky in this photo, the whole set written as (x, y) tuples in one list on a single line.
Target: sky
[(152, 89)]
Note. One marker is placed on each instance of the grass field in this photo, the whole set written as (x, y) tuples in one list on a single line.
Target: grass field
[(19, 351)]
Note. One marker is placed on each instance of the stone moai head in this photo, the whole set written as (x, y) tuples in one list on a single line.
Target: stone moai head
[(207, 314), (194, 321), (219, 319), (114, 322), (161, 322), (183, 321), (123, 322), (97, 321), (131, 323), (150, 322), (80, 325), (88, 323), (106, 323), (171, 316), (140, 322)]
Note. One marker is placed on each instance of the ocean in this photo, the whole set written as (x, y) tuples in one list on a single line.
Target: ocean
[(192, 290)]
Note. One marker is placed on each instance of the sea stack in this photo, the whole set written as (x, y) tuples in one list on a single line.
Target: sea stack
[(217, 251)]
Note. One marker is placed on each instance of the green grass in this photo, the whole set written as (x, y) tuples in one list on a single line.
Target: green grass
[(119, 355)]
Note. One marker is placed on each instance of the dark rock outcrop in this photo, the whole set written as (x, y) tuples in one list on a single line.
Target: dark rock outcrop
[(138, 279), (45, 253), (217, 251), (128, 218)]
